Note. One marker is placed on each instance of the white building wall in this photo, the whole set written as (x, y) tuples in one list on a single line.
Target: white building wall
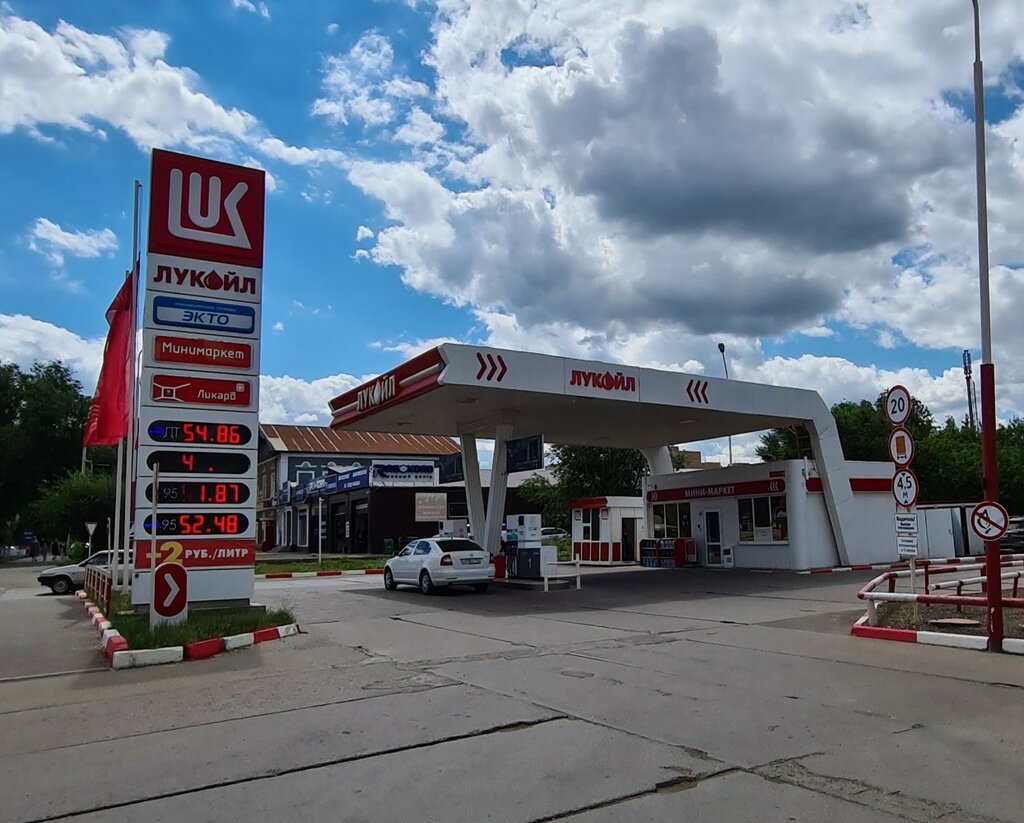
[(811, 542)]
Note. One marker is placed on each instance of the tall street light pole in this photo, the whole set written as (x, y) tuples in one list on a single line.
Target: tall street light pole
[(721, 348), (988, 378)]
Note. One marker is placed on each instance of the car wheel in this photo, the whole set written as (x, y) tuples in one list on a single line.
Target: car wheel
[(426, 584), (61, 585), (389, 581), (480, 588)]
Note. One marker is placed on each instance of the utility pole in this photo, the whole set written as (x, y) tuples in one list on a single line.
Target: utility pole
[(989, 466)]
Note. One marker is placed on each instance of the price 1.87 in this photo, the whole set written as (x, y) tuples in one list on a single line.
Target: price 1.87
[(210, 492)]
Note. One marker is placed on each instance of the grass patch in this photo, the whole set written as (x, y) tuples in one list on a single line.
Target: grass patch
[(333, 564), (201, 625), (901, 616)]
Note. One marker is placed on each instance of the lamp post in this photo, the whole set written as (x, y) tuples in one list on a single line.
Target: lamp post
[(988, 380), (725, 364)]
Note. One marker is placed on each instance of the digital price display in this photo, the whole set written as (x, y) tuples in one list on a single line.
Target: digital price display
[(197, 524), (195, 431), (184, 491), (192, 462)]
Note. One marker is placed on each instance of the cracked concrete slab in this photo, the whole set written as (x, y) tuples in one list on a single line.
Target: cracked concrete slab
[(78, 778), (737, 797), (952, 764), (736, 721), (566, 765), (408, 642)]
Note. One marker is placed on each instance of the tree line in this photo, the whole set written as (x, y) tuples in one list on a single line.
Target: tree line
[(42, 487)]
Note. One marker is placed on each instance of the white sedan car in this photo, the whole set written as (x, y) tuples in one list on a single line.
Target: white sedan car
[(440, 561)]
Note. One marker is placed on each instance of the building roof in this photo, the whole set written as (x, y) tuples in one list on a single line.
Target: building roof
[(324, 440)]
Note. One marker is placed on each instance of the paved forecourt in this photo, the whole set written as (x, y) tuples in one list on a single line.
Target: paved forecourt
[(648, 695)]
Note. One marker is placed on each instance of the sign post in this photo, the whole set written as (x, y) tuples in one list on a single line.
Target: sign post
[(898, 406), (90, 528)]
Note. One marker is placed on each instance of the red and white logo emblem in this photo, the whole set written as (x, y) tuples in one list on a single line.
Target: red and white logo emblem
[(207, 210)]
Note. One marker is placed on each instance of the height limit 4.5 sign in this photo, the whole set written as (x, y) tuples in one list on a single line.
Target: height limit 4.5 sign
[(904, 488)]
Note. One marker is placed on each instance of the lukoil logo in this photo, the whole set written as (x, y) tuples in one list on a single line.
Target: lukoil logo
[(204, 221), (201, 209)]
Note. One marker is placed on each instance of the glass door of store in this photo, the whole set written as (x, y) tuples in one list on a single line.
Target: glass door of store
[(713, 536)]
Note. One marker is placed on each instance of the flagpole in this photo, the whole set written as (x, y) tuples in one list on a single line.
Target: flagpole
[(131, 454), (117, 516)]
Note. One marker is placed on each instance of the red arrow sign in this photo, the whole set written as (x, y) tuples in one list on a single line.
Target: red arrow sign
[(491, 365), (697, 391), (170, 589)]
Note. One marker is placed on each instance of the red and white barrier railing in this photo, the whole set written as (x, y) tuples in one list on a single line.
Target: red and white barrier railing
[(930, 568), (1011, 576), (99, 583)]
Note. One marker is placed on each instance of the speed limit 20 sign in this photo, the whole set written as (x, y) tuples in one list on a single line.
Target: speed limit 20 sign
[(897, 405), (904, 488)]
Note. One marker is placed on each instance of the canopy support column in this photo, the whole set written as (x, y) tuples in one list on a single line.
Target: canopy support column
[(474, 489), (498, 487)]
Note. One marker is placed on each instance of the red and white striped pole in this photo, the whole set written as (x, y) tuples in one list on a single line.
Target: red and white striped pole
[(989, 466)]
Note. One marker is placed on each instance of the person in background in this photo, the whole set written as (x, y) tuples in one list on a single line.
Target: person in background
[(55, 549), (43, 548)]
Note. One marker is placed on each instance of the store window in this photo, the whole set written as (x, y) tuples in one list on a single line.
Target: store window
[(672, 520), (302, 528), (303, 478), (591, 524), (763, 519)]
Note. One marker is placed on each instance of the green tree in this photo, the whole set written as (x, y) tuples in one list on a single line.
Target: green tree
[(67, 504), (591, 471), (42, 418), (547, 498), (781, 444), (1010, 457), (948, 464), (863, 431)]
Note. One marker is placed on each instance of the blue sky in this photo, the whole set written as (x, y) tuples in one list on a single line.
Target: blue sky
[(632, 182)]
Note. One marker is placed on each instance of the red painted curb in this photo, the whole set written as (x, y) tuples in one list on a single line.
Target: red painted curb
[(202, 649), (373, 571), (880, 633), (277, 575), (332, 573), (263, 635), (115, 644), (819, 571)]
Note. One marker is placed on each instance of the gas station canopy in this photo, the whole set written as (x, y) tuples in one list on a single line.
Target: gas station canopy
[(473, 392), (457, 390)]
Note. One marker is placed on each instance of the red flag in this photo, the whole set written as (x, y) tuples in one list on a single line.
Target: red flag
[(108, 417)]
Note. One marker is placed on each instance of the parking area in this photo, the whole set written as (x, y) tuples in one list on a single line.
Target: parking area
[(648, 695)]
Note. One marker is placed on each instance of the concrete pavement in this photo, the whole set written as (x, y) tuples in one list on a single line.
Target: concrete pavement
[(658, 696), (42, 634)]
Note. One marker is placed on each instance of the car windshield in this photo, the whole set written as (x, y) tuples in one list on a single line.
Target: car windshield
[(459, 545)]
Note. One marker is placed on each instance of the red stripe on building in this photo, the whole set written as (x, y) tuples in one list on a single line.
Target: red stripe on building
[(857, 484), (720, 490), (589, 503)]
